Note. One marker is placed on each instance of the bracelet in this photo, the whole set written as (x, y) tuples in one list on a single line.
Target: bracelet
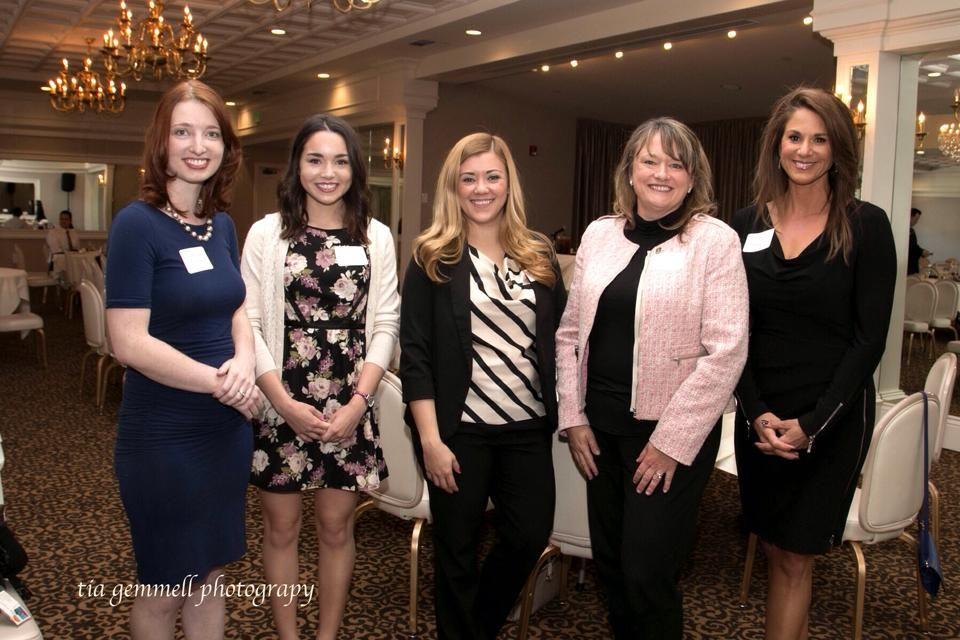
[(367, 398)]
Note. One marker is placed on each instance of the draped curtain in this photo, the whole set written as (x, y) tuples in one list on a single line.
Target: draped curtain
[(731, 147)]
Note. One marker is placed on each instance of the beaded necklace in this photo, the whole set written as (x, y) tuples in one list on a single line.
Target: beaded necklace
[(167, 209)]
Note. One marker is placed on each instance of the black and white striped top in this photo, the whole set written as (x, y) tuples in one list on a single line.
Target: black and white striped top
[(505, 385)]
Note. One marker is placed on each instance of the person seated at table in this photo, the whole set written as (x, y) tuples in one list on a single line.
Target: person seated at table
[(64, 237), (16, 222)]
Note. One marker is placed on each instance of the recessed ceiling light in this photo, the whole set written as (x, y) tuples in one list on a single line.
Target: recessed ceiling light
[(544, 67), (808, 20), (668, 45), (921, 152), (934, 74), (230, 103), (618, 55), (277, 31), (536, 69), (574, 63), (731, 34), (45, 88), (323, 76), (473, 32)]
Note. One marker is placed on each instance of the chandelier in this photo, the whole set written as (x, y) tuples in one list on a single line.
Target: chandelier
[(150, 47), (949, 138), (85, 90), (343, 6)]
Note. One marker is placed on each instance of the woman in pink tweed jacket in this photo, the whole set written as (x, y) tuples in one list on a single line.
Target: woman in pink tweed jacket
[(649, 350)]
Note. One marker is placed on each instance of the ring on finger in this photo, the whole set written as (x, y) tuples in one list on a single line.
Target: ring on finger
[(658, 475), (241, 393)]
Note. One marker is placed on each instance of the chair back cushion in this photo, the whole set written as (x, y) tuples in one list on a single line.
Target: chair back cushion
[(404, 487), (93, 314), (921, 301), (946, 299), (892, 487), (940, 381), (570, 525)]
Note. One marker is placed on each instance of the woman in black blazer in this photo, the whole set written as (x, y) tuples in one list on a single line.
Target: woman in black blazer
[(482, 299)]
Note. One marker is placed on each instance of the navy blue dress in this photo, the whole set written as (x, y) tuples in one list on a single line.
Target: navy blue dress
[(182, 459)]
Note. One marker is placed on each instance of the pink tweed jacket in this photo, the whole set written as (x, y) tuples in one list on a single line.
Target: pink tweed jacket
[(691, 326)]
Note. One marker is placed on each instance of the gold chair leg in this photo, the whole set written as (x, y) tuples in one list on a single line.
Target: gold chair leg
[(529, 590), (921, 594), (100, 381), (41, 347), (362, 508), (933, 341), (414, 575), (748, 569), (43, 299), (83, 366), (106, 379), (861, 586), (909, 348), (934, 511)]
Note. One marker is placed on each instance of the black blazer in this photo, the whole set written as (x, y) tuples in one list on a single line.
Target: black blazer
[(435, 341)]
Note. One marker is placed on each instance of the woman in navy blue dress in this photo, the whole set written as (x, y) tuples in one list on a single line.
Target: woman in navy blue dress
[(177, 320)]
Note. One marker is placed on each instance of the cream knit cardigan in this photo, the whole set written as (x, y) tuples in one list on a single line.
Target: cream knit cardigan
[(264, 255)]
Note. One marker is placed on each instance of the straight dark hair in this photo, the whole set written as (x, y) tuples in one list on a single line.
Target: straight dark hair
[(293, 197), (770, 183)]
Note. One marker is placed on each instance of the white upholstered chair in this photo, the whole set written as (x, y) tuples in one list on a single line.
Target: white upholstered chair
[(571, 530), (94, 331), (945, 312), (24, 322), (889, 497), (940, 382), (35, 279), (918, 314), (404, 493)]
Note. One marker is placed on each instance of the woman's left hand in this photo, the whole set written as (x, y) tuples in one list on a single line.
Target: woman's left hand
[(237, 381), (345, 420), (653, 466), (788, 433)]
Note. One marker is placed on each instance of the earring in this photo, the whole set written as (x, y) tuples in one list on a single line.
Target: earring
[(631, 182), (689, 190)]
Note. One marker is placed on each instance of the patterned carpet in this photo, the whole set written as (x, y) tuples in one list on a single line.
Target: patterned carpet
[(63, 503)]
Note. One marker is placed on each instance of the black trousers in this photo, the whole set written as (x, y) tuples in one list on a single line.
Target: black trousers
[(515, 470), (640, 543)]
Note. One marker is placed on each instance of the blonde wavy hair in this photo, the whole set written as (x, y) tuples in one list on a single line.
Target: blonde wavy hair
[(444, 240), (680, 143)]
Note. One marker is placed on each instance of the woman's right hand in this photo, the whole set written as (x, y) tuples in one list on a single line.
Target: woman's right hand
[(440, 463), (583, 447), (305, 420), (770, 442)]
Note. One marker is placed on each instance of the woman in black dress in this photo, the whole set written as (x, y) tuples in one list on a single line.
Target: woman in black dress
[(821, 268)]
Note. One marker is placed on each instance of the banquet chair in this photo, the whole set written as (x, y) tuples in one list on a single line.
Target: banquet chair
[(95, 332), (918, 314), (92, 272), (888, 500), (404, 493), (26, 321), (912, 279), (35, 279), (945, 313), (940, 381), (73, 273), (571, 530)]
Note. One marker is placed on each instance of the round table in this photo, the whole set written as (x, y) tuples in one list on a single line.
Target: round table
[(14, 292)]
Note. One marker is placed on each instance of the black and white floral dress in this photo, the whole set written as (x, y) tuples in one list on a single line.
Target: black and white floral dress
[(324, 346)]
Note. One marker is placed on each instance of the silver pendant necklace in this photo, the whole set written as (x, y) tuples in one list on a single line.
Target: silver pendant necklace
[(202, 237)]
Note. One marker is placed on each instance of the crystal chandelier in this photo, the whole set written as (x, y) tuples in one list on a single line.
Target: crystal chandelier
[(151, 48), (343, 6), (949, 138), (85, 90)]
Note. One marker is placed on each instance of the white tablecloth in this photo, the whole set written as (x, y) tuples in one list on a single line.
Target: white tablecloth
[(14, 292)]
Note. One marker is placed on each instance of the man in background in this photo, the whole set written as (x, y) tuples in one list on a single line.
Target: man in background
[(16, 222), (915, 251), (64, 237)]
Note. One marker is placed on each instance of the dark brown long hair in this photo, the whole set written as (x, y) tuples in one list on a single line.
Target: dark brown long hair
[(215, 192), (770, 183), (680, 143), (293, 210)]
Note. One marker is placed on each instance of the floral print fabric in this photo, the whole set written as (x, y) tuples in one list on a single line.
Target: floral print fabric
[(324, 314)]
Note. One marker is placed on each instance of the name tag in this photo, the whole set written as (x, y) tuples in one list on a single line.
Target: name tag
[(758, 241), (350, 256), (195, 260)]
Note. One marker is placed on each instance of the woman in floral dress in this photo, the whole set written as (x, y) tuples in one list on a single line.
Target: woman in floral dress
[(322, 298)]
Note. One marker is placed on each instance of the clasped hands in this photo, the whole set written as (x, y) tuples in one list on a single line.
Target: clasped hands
[(312, 426), (236, 386), (784, 438), (652, 464)]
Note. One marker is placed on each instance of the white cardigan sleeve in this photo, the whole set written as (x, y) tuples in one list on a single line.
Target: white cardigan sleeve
[(252, 270), (386, 317)]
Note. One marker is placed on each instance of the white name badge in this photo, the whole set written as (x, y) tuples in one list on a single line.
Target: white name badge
[(15, 611), (758, 241), (195, 260), (350, 256)]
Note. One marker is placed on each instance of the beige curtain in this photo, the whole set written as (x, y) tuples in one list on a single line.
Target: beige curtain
[(731, 147)]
